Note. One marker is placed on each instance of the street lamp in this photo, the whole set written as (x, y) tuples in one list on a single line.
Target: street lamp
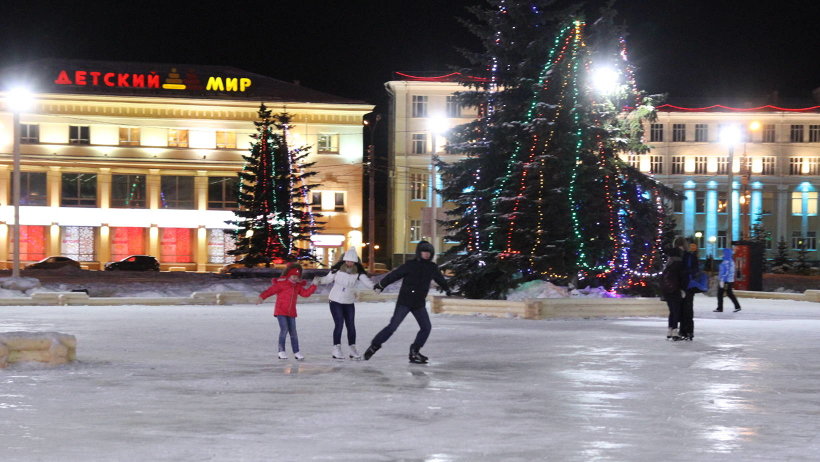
[(437, 126), (371, 206), (18, 99), (605, 80), (729, 136)]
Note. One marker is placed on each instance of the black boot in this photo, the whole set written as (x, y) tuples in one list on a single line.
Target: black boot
[(371, 350), (416, 357)]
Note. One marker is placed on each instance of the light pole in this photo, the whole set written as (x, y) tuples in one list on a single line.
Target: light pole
[(729, 136), (19, 100), (371, 206), (746, 173), (437, 126)]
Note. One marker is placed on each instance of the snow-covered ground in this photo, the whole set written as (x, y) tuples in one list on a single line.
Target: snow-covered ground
[(175, 383)]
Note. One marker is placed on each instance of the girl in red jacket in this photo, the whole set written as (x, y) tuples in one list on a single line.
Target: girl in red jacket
[(287, 289)]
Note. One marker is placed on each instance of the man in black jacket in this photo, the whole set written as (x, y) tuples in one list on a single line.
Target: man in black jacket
[(416, 275)]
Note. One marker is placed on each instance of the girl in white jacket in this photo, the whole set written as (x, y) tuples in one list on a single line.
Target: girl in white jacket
[(344, 276)]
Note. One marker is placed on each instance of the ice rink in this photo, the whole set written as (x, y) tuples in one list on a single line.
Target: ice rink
[(192, 383)]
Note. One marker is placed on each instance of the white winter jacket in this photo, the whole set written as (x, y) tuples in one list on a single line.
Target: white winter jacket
[(344, 284)]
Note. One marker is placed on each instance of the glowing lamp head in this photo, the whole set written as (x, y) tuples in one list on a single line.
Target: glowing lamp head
[(605, 80), (20, 99), (754, 126), (437, 125), (730, 135)]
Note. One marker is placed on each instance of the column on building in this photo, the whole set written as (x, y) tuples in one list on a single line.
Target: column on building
[(201, 237), (5, 199), (756, 205), (735, 198), (711, 219), (689, 208), (783, 211)]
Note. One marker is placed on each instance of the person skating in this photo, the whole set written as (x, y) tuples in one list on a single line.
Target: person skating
[(416, 276), (690, 269), (345, 275), (287, 288), (726, 279), (673, 283)]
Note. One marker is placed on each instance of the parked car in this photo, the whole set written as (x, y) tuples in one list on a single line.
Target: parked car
[(134, 263), (56, 262)]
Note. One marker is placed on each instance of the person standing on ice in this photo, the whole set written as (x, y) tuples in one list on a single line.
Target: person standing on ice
[(345, 276), (673, 283), (726, 279), (287, 288), (691, 270), (416, 276)]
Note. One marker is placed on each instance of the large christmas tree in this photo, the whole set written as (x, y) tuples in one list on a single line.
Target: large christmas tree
[(274, 219), (541, 192)]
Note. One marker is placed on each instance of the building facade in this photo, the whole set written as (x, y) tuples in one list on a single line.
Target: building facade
[(131, 158), (775, 167)]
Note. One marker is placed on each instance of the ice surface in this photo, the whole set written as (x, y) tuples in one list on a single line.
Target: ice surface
[(175, 383)]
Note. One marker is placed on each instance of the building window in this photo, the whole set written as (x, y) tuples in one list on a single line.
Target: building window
[(126, 242), (633, 161), (722, 165), (79, 134), (796, 134), (328, 144), (419, 106), (32, 188), (811, 240), (415, 230), (175, 245), (33, 243), (678, 165), (701, 133), (768, 133), (803, 166), (78, 243), (339, 201), (222, 192), (700, 202), (721, 202), (418, 144), (29, 134), (79, 190), (316, 199), (177, 192), (795, 165), (656, 132), (808, 242), (128, 191), (656, 165), (810, 203), (225, 140), (129, 136), (768, 165), (700, 165), (418, 186), (677, 205), (678, 132), (453, 108), (177, 138), (220, 242), (721, 240), (814, 133)]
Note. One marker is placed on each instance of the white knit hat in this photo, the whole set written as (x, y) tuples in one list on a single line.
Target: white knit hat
[(351, 255)]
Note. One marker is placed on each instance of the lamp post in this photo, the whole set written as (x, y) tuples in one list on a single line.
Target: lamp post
[(437, 126), (746, 173), (729, 136), (371, 206), (19, 100)]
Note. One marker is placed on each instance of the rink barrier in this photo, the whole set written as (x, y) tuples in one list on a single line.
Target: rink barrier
[(45, 347), (196, 298), (582, 307), (807, 296)]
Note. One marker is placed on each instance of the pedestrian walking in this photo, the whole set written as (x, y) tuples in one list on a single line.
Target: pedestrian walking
[(726, 279), (345, 275), (416, 276), (287, 289)]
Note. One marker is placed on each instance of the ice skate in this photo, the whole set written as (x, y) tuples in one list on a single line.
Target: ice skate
[(718, 310), (672, 334), (371, 350), (299, 356), (354, 353), (283, 355), (337, 352), (416, 357), (737, 309)]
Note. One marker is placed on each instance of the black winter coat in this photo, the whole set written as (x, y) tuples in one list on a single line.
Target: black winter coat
[(417, 275)]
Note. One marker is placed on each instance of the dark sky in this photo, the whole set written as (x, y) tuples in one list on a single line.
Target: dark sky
[(696, 48)]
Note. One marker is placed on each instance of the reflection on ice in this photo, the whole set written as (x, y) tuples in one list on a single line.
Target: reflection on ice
[(727, 439), (438, 458), (723, 397)]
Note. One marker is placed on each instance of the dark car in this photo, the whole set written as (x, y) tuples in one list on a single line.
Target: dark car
[(55, 263), (134, 263)]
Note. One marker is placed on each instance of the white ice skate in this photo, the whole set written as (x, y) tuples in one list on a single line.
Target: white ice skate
[(337, 352), (354, 353), (299, 356), (283, 355)]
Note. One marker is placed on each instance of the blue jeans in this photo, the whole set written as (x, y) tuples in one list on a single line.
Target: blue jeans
[(344, 314), (401, 311), (287, 325)]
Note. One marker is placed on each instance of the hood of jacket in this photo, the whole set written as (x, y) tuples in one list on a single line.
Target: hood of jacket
[(424, 246), (727, 254)]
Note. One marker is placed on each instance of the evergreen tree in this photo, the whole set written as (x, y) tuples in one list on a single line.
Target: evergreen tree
[(541, 192), (802, 265), (761, 237), (781, 259), (274, 220)]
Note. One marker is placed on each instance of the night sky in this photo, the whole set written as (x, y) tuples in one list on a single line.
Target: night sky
[(698, 48)]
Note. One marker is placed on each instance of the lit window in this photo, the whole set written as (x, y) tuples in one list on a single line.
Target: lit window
[(804, 203), (328, 144), (796, 134), (339, 201), (678, 164), (129, 136), (220, 242), (316, 199), (418, 186), (419, 143), (176, 245), (722, 165), (32, 188), (225, 140), (453, 108), (29, 134), (656, 132), (679, 132), (768, 133), (78, 134), (127, 241), (177, 138), (656, 165), (419, 106), (701, 133), (814, 133), (768, 165), (177, 192), (222, 192), (415, 230), (78, 243), (128, 191), (700, 165)]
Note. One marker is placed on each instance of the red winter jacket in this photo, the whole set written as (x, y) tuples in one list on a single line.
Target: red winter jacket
[(286, 293)]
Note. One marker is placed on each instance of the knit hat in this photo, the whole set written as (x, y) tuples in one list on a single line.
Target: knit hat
[(293, 269), (351, 255)]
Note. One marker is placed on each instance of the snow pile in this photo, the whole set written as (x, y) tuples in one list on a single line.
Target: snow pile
[(21, 284), (787, 291), (537, 289), (592, 292)]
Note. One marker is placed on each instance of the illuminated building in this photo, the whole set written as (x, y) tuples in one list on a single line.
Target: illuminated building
[(133, 158)]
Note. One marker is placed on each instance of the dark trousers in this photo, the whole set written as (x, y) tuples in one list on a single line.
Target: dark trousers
[(727, 289), (398, 316), (287, 325), (344, 314), (687, 315), (674, 301)]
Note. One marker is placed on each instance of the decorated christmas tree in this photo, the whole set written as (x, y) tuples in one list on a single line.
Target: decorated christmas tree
[(274, 220), (541, 192)]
